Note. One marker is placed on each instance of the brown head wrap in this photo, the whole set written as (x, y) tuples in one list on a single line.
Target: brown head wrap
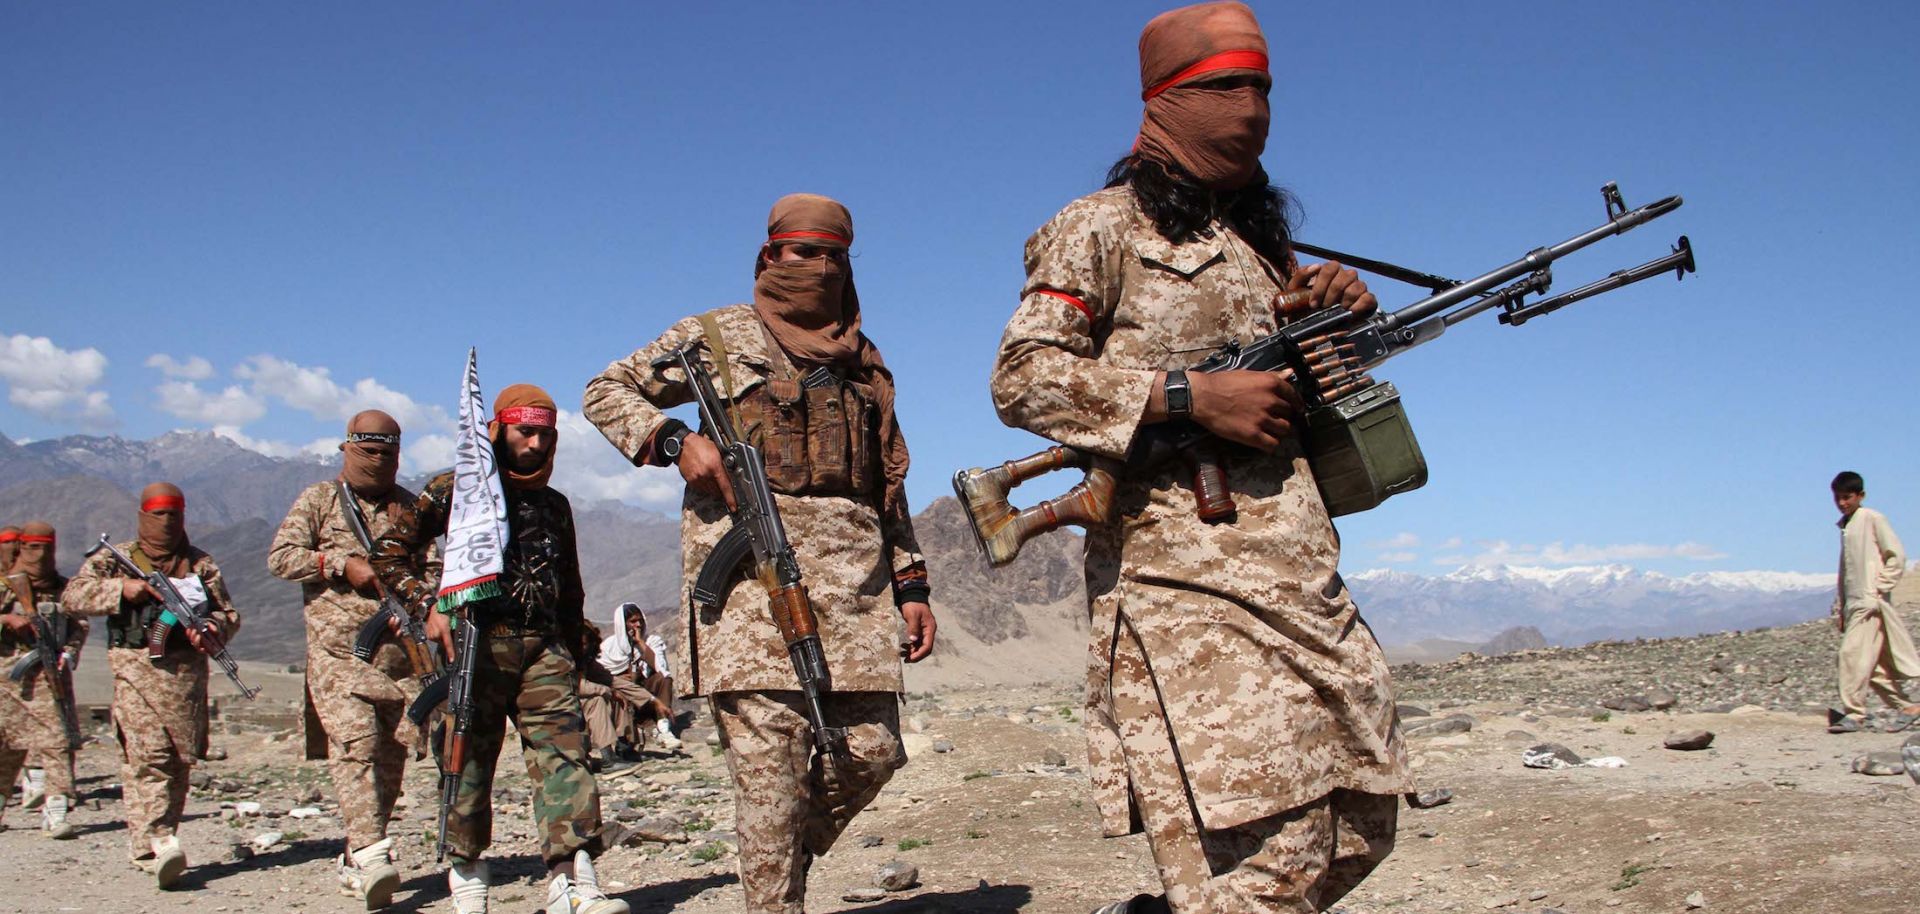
[(523, 404), (163, 528), (812, 312), (34, 557), (370, 457), (9, 543), (1215, 135)]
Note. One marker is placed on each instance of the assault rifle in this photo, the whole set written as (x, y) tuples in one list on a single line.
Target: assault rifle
[(422, 654), (1357, 437), (49, 645), (455, 688), (177, 612), (758, 533)]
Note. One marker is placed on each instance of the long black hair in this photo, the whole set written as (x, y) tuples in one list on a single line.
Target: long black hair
[(1262, 214)]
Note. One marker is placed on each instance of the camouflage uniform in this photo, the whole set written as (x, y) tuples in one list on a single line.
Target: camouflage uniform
[(159, 709), (851, 557), (1238, 707), (525, 671), (30, 721), (360, 708)]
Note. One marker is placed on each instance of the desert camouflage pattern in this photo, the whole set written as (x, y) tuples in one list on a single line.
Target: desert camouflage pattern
[(529, 679), (848, 555), (788, 808), (31, 727), (1273, 690), (159, 709), (356, 711)]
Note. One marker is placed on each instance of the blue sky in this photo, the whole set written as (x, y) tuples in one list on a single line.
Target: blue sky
[(310, 209)]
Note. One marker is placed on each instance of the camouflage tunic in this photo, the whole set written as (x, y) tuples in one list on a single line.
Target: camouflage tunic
[(848, 555), (1273, 691), (159, 709), (356, 710), (30, 721)]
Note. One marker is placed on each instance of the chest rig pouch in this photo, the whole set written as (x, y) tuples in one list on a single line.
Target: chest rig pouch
[(816, 431), (135, 628)]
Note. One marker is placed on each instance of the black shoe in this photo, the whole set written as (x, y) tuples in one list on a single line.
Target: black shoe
[(609, 763), (1845, 725)]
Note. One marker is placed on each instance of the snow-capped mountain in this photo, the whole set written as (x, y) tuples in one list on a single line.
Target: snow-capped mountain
[(1582, 603)]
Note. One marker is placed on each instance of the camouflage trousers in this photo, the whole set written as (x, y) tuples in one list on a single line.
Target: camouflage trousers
[(788, 808), (529, 679), (363, 713), (612, 710), (32, 734), (1301, 860), (58, 766), (153, 784)]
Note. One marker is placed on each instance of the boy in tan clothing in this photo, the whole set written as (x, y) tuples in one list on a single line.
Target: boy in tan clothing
[(1875, 650)]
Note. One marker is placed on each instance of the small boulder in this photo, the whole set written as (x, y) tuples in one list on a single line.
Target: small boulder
[(1628, 703), (943, 745), (265, 841), (1428, 799), (1552, 756), (897, 876), (1441, 726), (1690, 741), (1883, 763), (1053, 757), (200, 780), (1407, 711), (863, 896), (871, 840), (1661, 699), (1696, 900)]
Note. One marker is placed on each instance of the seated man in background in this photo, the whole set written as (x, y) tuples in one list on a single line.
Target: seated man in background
[(641, 658)]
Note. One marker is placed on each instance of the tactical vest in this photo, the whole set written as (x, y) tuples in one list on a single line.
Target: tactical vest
[(818, 433), (127, 626)]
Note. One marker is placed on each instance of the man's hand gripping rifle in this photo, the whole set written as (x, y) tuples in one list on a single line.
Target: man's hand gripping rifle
[(178, 612), (454, 688), (758, 532), (1327, 353), (50, 630), (392, 619)]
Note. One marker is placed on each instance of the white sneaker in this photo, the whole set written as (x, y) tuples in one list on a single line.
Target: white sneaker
[(53, 819), (169, 861), (35, 791), (667, 739), (468, 886), (581, 894), (369, 874)]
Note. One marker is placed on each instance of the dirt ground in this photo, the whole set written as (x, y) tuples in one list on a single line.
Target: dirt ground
[(1770, 819)]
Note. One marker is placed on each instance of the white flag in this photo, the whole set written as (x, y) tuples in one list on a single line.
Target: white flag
[(477, 518)]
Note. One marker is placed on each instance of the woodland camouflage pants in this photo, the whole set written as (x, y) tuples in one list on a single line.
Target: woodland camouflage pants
[(530, 679)]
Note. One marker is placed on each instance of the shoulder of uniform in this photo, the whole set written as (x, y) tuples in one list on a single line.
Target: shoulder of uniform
[(741, 328), (1105, 209), (316, 491)]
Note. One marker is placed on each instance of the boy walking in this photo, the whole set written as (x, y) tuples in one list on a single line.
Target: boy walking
[(1875, 650)]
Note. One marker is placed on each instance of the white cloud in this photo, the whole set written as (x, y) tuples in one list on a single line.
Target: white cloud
[(194, 368), (232, 407), (53, 383), (1501, 552), (319, 447), (1396, 558), (312, 390), (589, 469), (1401, 540), (426, 454)]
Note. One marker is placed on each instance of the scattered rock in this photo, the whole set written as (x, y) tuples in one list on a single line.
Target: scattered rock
[(217, 754), (862, 896), (1910, 757), (265, 841), (1053, 757), (1696, 900), (246, 808), (1407, 711), (1629, 703), (304, 812), (1607, 761), (312, 796), (1881, 764), (200, 780), (238, 852), (1690, 740), (1428, 799), (1551, 756), (1440, 726), (658, 829), (1661, 699), (943, 745), (1748, 709), (897, 876)]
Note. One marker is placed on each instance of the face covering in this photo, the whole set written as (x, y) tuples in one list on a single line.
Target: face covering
[(1214, 135), (163, 527), (370, 457)]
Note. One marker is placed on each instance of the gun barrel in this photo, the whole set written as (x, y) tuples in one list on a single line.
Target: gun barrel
[(1534, 260), (1680, 261)]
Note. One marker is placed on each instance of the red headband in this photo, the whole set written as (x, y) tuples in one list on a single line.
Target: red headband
[(8, 536), (1225, 60), (36, 539), (163, 502), (827, 236), (526, 415)]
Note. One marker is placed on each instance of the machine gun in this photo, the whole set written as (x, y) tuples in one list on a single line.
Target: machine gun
[(393, 617), (758, 533), (1357, 436), (177, 612), (50, 634)]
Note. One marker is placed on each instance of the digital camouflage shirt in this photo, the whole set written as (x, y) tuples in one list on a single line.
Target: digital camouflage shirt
[(851, 557), (1274, 690)]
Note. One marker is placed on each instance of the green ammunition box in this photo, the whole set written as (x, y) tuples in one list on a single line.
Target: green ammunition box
[(1363, 450)]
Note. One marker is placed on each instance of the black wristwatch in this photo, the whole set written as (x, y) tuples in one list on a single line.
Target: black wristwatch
[(671, 444), (1179, 397)]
